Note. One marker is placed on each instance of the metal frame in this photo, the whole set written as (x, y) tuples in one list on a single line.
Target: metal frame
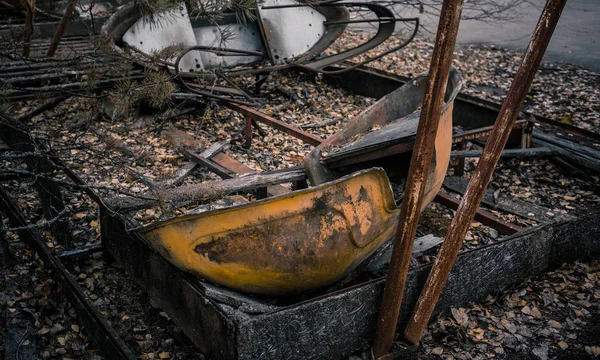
[(95, 324), (230, 326)]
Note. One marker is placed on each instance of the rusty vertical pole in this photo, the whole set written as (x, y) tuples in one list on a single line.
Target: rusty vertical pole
[(439, 71), (60, 30), (459, 168), (29, 12), (482, 175), (248, 132)]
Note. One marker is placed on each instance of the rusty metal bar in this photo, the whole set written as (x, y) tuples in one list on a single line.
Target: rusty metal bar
[(407, 147), (383, 19), (417, 177), (538, 152), (485, 169), (60, 30), (29, 12), (200, 160), (279, 125), (484, 217), (248, 134), (483, 131), (459, 168)]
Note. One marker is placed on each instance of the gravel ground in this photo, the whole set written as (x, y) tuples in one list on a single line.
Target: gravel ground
[(109, 152)]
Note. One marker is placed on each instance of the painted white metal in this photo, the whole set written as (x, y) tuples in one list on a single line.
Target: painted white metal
[(169, 28), (290, 32), (228, 34)]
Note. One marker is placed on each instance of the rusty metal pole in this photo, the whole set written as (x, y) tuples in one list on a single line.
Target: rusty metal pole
[(60, 30), (29, 14), (248, 133), (482, 175), (439, 71)]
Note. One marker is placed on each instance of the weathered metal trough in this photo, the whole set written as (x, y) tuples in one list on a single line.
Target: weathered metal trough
[(338, 321), (228, 325)]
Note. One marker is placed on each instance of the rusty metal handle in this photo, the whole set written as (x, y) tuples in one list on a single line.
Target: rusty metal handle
[(482, 175)]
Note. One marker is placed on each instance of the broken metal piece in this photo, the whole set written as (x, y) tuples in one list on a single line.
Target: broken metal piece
[(227, 32), (387, 24), (298, 30), (384, 128)]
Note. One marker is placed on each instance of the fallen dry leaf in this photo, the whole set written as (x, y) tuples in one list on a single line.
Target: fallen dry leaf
[(79, 216), (437, 351), (555, 324), (460, 316)]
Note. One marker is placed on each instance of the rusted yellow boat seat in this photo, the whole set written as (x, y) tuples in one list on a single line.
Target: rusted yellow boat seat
[(289, 244)]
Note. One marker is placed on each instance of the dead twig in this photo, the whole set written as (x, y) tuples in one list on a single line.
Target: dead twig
[(43, 108)]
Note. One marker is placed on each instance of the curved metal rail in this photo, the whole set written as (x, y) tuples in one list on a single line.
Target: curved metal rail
[(387, 24)]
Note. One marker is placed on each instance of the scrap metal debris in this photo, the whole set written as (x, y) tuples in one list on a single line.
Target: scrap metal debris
[(284, 33), (126, 153)]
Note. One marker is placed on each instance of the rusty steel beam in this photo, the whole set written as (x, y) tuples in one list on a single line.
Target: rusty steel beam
[(277, 124), (29, 14), (491, 153), (248, 132), (483, 131), (537, 152), (484, 217), (417, 177), (60, 30)]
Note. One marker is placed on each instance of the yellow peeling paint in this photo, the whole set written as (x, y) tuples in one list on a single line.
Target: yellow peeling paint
[(289, 244)]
